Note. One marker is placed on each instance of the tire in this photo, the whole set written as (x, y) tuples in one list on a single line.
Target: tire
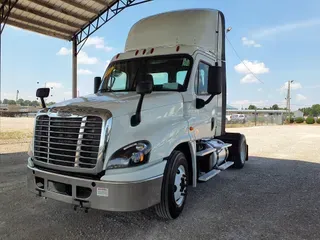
[(171, 205), (239, 156), (238, 152)]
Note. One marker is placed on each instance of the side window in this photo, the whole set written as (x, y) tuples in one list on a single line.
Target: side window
[(202, 79), (118, 80), (181, 76), (160, 78)]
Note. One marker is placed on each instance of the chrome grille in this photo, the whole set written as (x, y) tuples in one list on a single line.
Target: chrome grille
[(70, 142)]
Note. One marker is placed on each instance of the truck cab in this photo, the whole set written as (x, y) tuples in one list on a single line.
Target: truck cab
[(153, 127)]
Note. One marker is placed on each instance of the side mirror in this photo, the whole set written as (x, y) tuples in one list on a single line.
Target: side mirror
[(144, 86), (215, 80), (43, 93), (97, 82)]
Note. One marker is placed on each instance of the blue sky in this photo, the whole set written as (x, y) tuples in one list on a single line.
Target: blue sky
[(278, 41)]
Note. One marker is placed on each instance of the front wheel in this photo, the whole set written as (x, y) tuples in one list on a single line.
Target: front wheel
[(174, 187)]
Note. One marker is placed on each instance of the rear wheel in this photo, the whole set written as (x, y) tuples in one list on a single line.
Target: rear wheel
[(238, 152), (174, 187)]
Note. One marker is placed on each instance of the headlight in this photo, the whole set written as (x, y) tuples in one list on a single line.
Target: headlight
[(131, 155)]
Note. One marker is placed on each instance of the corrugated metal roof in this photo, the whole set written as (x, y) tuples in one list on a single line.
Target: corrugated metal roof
[(56, 18)]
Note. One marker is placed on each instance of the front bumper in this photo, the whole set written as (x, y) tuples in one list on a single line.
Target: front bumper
[(87, 193)]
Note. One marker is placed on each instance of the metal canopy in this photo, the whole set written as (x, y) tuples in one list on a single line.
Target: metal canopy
[(64, 19), (73, 20)]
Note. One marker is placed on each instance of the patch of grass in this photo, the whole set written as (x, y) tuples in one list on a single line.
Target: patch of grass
[(238, 125), (16, 135)]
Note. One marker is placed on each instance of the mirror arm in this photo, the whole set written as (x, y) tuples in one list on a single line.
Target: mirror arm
[(136, 119), (209, 99), (43, 104), (200, 103)]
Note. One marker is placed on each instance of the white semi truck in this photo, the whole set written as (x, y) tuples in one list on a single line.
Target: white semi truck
[(154, 126)]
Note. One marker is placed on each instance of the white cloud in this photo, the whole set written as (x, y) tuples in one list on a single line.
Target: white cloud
[(83, 58), (250, 43), (286, 28), (300, 97), (249, 78), (293, 86), (84, 72), (256, 67), (54, 85), (64, 51), (98, 42), (260, 90)]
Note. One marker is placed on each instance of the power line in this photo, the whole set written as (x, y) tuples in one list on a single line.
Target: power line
[(243, 61)]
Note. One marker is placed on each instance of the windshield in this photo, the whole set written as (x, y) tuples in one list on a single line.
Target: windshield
[(169, 73)]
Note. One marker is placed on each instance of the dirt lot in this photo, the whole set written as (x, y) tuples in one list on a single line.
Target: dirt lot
[(275, 196)]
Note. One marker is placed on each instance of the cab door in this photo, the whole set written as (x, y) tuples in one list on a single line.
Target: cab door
[(205, 117)]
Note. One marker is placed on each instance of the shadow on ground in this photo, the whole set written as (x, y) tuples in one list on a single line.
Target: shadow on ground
[(268, 199)]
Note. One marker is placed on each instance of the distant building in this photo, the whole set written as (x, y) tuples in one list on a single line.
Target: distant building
[(3, 107), (297, 113), (231, 108)]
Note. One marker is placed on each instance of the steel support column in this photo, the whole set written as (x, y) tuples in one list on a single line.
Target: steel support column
[(74, 68)]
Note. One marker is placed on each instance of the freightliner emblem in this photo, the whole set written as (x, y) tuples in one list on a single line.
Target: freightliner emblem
[(64, 114)]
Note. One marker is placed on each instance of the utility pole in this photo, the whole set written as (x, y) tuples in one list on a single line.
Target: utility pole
[(17, 95), (288, 100)]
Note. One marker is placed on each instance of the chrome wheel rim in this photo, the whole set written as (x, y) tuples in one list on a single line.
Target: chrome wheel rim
[(180, 185)]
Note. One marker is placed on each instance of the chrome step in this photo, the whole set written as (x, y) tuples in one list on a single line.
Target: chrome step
[(206, 152), (225, 165), (205, 177)]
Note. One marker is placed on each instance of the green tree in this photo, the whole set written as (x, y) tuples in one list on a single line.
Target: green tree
[(21, 102), (315, 110), (275, 107), (35, 103), (27, 103), (50, 103), (5, 101), (252, 107), (11, 102)]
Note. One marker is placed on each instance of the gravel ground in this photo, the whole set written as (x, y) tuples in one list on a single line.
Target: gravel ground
[(275, 196), (18, 123)]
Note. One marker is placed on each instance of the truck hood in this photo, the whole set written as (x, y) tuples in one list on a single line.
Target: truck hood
[(123, 103)]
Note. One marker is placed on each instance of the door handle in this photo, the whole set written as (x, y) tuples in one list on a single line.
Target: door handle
[(212, 123)]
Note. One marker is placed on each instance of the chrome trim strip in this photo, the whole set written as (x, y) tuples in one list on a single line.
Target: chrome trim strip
[(70, 150), (79, 142), (63, 155), (48, 150), (68, 144)]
